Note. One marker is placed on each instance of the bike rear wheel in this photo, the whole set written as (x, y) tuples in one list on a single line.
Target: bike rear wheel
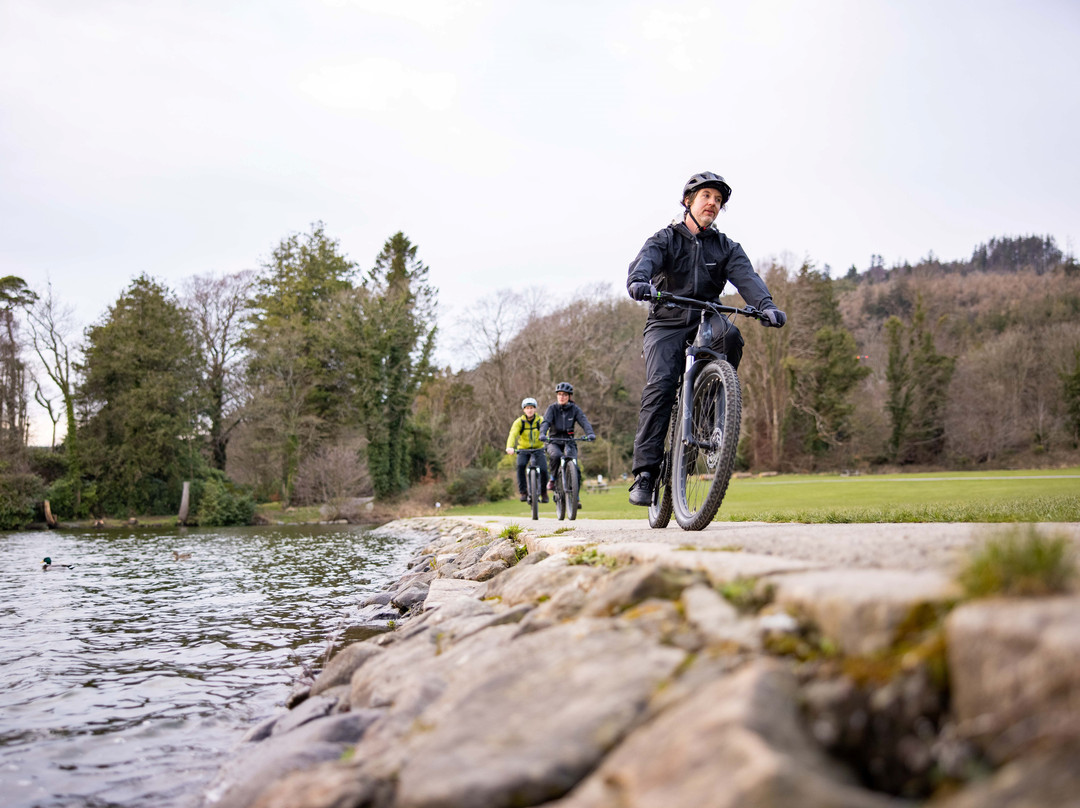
[(660, 507), (532, 476), (570, 487), (700, 473)]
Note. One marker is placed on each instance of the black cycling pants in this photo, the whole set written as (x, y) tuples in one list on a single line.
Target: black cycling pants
[(665, 352), (523, 456)]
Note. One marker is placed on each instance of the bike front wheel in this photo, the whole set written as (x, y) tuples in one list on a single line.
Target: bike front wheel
[(533, 482), (702, 470), (560, 500), (570, 487), (660, 507)]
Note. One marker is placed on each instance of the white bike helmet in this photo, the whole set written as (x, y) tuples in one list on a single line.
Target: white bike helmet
[(528, 402)]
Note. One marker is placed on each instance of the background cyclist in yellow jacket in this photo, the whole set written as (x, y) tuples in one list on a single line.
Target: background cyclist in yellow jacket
[(524, 438)]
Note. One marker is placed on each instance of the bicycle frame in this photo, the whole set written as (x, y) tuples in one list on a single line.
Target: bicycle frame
[(563, 504), (701, 346), (705, 423)]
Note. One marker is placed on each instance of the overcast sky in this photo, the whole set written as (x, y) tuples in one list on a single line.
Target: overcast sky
[(523, 144)]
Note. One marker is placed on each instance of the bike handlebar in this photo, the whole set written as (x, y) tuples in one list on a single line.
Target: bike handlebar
[(586, 439), (665, 298)]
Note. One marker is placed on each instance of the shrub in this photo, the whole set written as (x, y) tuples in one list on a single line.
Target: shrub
[(47, 464), (1020, 562), (499, 488), (469, 487), (220, 502), (61, 496), (19, 496)]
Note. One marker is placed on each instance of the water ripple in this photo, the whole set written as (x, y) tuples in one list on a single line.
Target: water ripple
[(127, 679)]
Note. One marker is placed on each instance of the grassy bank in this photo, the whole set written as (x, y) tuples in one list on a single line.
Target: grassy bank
[(983, 496)]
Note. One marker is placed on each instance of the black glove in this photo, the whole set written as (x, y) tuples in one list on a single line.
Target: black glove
[(639, 290), (776, 317), (590, 438), (543, 438)]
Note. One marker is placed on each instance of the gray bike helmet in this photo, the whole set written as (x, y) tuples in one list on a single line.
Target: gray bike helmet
[(564, 387), (528, 402), (706, 179)]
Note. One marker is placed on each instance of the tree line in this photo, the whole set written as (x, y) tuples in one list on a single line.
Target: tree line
[(309, 381)]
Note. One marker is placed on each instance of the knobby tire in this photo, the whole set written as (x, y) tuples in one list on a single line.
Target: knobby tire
[(660, 507), (532, 476), (570, 486), (700, 475)]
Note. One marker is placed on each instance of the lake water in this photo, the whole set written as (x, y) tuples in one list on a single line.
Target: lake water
[(127, 680)]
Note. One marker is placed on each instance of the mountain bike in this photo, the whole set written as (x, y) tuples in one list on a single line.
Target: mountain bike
[(567, 481), (532, 483), (703, 431)]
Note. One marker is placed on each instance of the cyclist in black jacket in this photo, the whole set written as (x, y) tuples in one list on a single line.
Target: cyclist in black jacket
[(559, 422), (693, 259)]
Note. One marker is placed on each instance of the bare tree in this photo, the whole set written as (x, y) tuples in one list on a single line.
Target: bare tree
[(54, 335), (218, 305)]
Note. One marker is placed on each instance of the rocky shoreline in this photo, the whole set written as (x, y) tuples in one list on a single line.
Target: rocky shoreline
[(524, 669)]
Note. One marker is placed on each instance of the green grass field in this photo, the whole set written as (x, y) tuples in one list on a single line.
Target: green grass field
[(981, 496)]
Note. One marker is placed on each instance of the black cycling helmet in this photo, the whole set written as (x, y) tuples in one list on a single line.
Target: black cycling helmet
[(564, 387), (706, 179)]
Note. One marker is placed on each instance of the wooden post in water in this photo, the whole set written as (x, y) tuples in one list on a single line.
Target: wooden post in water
[(184, 503), (50, 520)]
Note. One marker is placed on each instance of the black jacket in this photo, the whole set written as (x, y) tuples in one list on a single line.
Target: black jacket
[(674, 260), (560, 418)]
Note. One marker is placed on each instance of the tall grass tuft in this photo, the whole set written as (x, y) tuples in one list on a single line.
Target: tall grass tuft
[(1022, 563)]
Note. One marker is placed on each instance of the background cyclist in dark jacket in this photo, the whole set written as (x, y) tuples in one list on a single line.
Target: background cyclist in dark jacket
[(559, 422), (690, 258)]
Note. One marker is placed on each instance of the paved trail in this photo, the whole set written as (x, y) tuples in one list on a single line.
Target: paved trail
[(908, 546)]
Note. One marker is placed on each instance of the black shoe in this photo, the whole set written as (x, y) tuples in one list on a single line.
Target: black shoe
[(579, 506), (544, 498), (641, 490), (524, 497)]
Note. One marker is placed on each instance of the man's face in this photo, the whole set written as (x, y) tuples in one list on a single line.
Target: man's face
[(530, 411), (706, 206), (562, 398)]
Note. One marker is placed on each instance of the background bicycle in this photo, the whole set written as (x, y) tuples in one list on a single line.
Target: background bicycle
[(567, 480), (532, 481)]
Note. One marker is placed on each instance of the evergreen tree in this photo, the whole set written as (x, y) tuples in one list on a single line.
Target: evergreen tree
[(141, 376), (396, 337), (14, 427), (823, 366), (1071, 390), (918, 379), (295, 370)]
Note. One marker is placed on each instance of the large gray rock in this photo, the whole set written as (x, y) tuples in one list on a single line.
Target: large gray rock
[(717, 620), (534, 583), (539, 712), (634, 584), (735, 743), (501, 719), (1015, 671), (262, 764), (344, 663), (861, 609), (1047, 779)]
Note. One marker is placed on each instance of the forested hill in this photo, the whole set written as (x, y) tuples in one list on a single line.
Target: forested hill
[(935, 364), (1008, 254)]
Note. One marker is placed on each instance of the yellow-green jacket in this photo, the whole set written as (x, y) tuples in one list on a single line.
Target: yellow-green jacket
[(525, 434)]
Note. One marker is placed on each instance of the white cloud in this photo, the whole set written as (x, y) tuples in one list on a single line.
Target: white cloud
[(378, 84), (426, 13)]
